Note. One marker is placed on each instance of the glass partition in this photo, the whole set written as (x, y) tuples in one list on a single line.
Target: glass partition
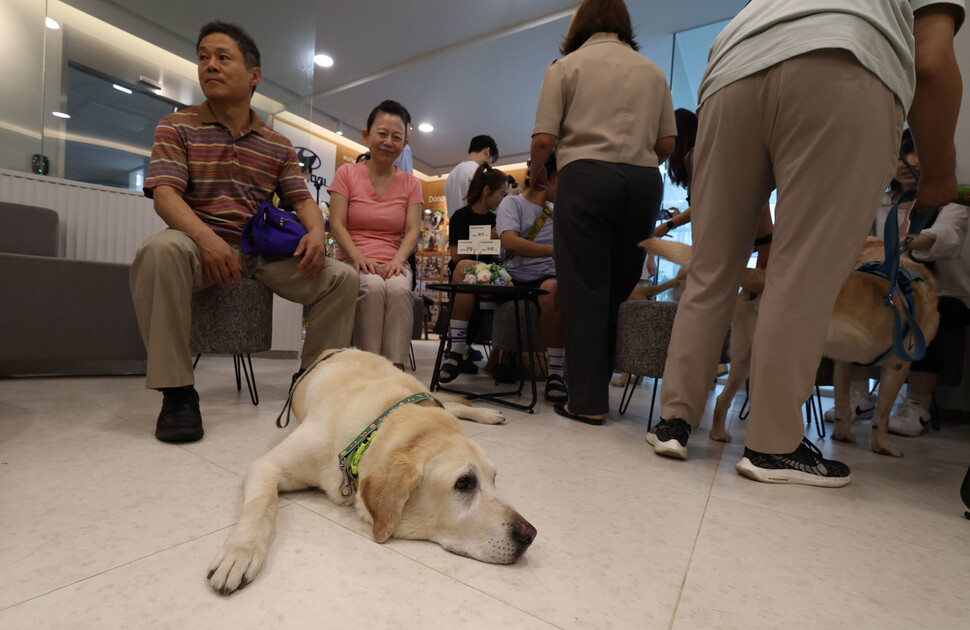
[(689, 63), (86, 81)]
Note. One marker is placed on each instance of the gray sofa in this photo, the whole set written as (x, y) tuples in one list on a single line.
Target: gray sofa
[(60, 316)]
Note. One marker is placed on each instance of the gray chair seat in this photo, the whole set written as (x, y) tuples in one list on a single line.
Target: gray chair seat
[(235, 320)]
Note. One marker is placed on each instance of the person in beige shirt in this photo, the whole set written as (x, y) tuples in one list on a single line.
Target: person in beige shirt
[(607, 111)]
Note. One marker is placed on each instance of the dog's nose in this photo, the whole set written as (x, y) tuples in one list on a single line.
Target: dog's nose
[(523, 531)]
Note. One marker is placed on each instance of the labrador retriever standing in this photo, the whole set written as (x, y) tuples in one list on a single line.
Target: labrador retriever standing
[(420, 478), (860, 331)]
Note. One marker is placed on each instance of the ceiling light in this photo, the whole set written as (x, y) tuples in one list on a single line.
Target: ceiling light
[(425, 127), (51, 24), (61, 114), (121, 88), (324, 61), (340, 128)]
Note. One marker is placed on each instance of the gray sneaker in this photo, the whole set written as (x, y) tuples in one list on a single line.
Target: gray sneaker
[(805, 465)]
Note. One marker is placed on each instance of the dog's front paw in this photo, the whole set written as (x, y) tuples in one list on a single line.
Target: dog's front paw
[(884, 447), (235, 566), (489, 416)]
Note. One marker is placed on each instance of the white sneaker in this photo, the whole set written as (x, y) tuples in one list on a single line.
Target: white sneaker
[(863, 406), (911, 419)]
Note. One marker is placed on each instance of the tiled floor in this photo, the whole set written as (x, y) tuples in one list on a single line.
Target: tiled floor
[(101, 526)]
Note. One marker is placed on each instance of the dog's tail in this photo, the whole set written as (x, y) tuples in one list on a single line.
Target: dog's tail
[(675, 252), (753, 280), (645, 293)]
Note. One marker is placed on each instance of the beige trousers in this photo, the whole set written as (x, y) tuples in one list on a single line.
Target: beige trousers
[(167, 269), (825, 132), (385, 310)]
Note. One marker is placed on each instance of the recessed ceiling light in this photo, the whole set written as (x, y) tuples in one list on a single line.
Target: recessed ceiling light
[(61, 114), (51, 24), (324, 61), (425, 127), (121, 88)]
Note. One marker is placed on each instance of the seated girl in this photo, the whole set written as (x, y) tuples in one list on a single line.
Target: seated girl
[(487, 188)]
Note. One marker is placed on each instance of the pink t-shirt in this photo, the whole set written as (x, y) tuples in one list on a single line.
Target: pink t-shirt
[(376, 224)]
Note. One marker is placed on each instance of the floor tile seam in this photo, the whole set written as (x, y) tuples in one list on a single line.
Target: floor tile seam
[(802, 517), (697, 536), (116, 567), (616, 473), (424, 565)]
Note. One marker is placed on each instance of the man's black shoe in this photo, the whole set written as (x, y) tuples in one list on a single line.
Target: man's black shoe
[(180, 419)]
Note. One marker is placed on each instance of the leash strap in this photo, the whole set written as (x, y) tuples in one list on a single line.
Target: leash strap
[(904, 316), (534, 230), (349, 458), (288, 405)]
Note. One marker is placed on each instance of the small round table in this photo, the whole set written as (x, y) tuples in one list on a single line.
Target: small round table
[(518, 295)]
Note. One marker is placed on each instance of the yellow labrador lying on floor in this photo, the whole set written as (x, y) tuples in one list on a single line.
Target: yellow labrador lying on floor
[(419, 478), (860, 331)]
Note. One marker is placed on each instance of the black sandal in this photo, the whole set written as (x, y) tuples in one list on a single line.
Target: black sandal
[(556, 391), (454, 365), (560, 408)]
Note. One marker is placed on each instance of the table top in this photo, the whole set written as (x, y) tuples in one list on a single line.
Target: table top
[(487, 289)]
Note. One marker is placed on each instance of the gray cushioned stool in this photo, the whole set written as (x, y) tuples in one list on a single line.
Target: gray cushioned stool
[(642, 336), (503, 328), (236, 320)]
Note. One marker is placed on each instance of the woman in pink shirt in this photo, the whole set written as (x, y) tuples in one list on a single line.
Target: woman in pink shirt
[(375, 217)]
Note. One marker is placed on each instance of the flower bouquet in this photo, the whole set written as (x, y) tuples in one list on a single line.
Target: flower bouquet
[(486, 273)]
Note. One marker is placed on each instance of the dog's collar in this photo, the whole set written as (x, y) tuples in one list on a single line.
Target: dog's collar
[(350, 456), (288, 405)]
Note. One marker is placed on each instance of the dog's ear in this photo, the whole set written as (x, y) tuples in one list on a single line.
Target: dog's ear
[(385, 490)]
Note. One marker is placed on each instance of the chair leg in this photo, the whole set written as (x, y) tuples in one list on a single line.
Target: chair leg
[(820, 418), (628, 389), (653, 399), (197, 357), (250, 377), (414, 366), (236, 360), (745, 406)]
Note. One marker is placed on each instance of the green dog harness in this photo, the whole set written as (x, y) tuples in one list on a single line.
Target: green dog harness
[(349, 458)]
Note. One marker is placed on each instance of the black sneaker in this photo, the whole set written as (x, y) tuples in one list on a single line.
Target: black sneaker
[(805, 465), (179, 420), (670, 437), (474, 354)]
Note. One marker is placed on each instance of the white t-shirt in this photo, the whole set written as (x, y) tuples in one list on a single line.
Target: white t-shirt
[(950, 232), (456, 185), (766, 32)]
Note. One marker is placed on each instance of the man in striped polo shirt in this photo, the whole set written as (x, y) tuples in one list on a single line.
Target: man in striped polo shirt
[(211, 166)]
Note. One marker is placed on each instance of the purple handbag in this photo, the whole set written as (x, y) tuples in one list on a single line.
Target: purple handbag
[(271, 232)]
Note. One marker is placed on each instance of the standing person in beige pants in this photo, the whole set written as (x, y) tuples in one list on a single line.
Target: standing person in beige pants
[(808, 98), (211, 166)]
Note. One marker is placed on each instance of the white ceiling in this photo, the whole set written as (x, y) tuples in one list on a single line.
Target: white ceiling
[(466, 67)]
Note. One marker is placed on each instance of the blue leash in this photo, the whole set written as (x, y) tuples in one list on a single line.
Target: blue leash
[(904, 318)]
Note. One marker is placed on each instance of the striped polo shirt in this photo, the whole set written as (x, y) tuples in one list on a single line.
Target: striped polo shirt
[(222, 178)]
